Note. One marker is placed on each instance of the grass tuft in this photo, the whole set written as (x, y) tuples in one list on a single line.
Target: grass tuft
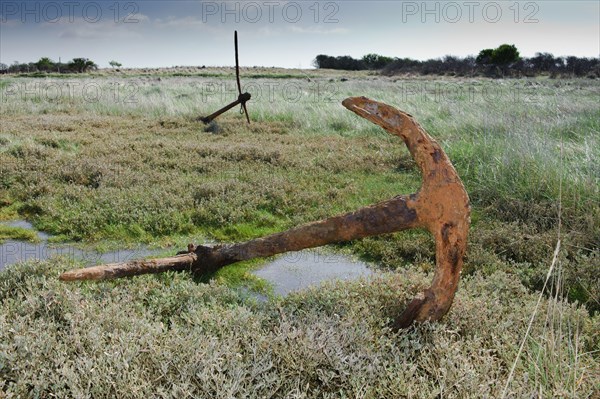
[(17, 233)]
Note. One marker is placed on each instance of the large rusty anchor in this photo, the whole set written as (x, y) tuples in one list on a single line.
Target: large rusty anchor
[(441, 206)]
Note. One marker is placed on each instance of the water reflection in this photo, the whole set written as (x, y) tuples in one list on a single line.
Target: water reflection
[(13, 251), (290, 272), (298, 270)]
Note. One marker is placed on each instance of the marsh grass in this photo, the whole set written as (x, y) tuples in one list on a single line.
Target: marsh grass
[(9, 209), (16, 233), (134, 166), (168, 336)]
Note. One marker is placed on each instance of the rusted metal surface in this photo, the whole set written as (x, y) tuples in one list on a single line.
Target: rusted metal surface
[(242, 97), (441, 206), (111, 271)]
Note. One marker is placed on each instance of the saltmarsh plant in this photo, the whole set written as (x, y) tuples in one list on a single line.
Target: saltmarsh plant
[(16, 233), (168, 336)]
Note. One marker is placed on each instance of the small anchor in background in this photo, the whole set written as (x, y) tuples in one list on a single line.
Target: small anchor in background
[(242, 97)]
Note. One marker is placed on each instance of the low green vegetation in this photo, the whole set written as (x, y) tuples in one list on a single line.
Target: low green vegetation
[(16, 233), (135, 166), (9, 210)]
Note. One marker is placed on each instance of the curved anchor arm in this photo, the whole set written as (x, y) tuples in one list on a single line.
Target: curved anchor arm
[(441, 206)]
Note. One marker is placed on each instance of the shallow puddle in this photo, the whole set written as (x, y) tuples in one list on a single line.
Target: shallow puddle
[(12, 251), (290, 272), (298, 270)]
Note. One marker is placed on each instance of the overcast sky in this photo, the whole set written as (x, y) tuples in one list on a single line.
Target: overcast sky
[(288, 33)]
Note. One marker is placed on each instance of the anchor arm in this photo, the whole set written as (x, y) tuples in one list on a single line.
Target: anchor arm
[(242, 98)]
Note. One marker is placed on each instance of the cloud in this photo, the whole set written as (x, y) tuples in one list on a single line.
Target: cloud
[(318, 30), (267, 31), (80, 28), (98, 32), (8, 23), (173, 22), (187, 23)]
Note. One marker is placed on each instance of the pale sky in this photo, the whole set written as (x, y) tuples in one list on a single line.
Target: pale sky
[(288, 33)]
